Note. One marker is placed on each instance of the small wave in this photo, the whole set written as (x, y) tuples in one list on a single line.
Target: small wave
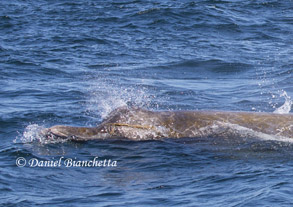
[(88, 41), (211, 66), (147, 11), (5, 17)]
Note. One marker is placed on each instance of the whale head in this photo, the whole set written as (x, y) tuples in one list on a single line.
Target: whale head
[(123, 122)]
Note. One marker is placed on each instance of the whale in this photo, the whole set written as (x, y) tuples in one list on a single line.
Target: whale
[(142, 124)]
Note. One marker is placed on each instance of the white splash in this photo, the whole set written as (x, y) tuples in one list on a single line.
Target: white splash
[(33, 133), (286, 107), (105, 96)]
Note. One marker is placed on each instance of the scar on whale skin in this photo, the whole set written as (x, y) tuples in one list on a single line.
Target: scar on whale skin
[(140, 124)]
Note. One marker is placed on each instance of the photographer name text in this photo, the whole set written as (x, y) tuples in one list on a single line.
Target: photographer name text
[(66, 162)]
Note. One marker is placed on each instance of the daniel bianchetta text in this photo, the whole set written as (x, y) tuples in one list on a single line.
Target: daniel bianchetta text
[(66, 162)]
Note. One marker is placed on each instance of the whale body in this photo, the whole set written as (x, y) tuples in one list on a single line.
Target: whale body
[(140, 124)]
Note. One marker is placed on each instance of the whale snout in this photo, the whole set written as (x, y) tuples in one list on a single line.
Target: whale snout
[(72, 133), (57, 131)]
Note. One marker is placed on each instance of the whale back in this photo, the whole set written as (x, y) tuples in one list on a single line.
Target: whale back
[(217, 123), (138, 123)]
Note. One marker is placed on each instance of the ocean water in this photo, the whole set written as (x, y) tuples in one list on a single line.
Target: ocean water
[(73, 62)]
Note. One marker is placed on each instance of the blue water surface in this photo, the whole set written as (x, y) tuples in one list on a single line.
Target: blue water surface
[(72, 62)]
